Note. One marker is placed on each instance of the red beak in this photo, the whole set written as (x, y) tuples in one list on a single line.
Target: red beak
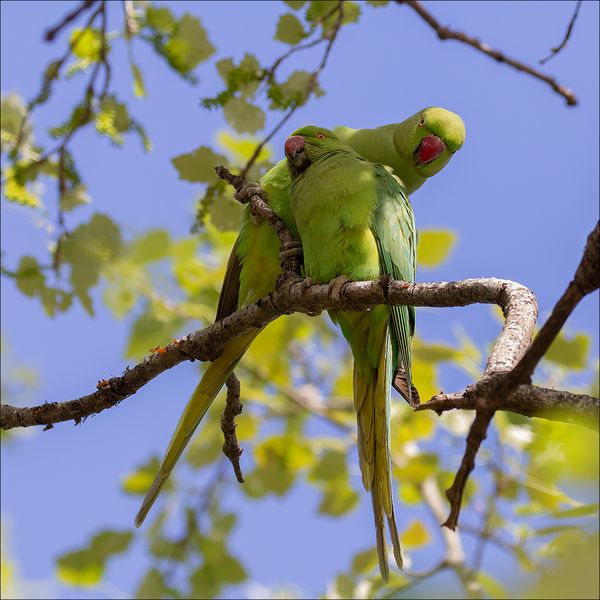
[(429, 149), (293, 144)]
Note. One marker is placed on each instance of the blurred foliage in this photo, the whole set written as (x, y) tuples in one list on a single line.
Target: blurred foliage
[(532, 495)]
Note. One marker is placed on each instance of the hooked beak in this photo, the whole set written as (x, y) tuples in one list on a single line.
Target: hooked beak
[(429, 149), (295, 153)]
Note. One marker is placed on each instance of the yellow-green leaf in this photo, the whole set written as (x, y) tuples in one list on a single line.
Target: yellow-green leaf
[(416, 535), (289, 30), (198, 165), (244, 116), (88, 43), (434, 247)]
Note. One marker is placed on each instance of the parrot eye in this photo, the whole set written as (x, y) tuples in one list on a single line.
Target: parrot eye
[(320, 136), (422, 122)]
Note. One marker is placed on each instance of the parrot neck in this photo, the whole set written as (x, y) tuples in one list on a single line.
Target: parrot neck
[(377, 145)]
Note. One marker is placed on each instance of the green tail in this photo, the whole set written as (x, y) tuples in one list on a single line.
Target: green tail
[(206, 391), (372, 403)]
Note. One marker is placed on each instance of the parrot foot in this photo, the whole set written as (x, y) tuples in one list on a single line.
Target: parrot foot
[(247, 190), (336, 287), (290, 249)]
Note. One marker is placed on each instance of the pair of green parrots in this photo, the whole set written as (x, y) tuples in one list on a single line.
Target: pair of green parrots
[(355, 221)]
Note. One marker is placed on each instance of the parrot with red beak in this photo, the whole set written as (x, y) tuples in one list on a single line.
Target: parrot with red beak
[(356, 222), (414, 149)]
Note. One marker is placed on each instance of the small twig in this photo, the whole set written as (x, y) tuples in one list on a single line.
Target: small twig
[(445, 33), (312, 82), (233, 408), (52, 33), (554, 51), (477, 433)]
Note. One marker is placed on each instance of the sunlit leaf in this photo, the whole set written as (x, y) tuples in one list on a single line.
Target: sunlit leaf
[(415, 535), (138, 81), (289, 29), (88, 43), (434, 247), (198, 165), (244, 116), (570, 353), (141, 479), (189, 44)]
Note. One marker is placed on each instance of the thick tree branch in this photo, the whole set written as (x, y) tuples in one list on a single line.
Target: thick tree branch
[(294, 295), (498, 384), (529, 401), (445, 33)]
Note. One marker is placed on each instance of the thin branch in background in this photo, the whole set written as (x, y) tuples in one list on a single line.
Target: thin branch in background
[(53, 32), (477, 433), (557, 49), (233, 408), (445, 33), (312, 82)]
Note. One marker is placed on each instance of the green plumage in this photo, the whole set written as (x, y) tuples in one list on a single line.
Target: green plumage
[(253, 266), (355, 221)]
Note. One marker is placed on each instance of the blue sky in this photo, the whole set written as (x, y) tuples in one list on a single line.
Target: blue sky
[(522, 195)]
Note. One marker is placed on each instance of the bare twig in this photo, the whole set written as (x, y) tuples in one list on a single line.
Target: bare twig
[(312, 82), (69, 17), (233, 408), (554, 51), (445, 33)]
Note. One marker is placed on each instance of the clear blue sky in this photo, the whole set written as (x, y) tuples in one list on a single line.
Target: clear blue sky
[(522, 195)]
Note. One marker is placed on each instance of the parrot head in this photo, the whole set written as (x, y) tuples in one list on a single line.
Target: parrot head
[(429, 138), (307, 144)]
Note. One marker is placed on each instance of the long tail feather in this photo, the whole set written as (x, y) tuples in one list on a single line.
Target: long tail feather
[(372, 403), (206, 391)]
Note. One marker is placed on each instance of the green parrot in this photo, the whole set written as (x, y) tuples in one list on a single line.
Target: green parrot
[(356, 222), (415, 149)]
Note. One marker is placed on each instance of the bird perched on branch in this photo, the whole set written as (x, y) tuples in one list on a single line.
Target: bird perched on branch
[(415, 149), (356, 223)]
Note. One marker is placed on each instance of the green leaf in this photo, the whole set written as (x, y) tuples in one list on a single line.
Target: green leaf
[(150, 247), (244, 116), (81, 568), (139, 482), (344, 585), (189, 44), (73, 197), (149, 332), (139, 89), (578, 511), (89, 43), (415, 535), (295, 4), (18, 192), (570, 353), (289, 30), (13, 120), (363, 562), (152, 586), (338, 499), (161, 19), (88, 248), (113, 120), (29, 277), (434, 247), (85, 567), (198, 165), (492, 586), (432, 353), (330, 467), (225, 213), (377, 3), (294, 91)]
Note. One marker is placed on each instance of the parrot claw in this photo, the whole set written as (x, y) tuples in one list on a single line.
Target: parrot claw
[(336, 287), (247, 190)]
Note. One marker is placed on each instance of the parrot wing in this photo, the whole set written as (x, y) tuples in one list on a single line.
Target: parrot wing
[(230, 292), (394, 229)]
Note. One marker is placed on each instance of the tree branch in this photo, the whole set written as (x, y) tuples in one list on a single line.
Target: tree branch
[(500, 381), (233, 408), (293, 295), (557, 49), (445, 33)]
